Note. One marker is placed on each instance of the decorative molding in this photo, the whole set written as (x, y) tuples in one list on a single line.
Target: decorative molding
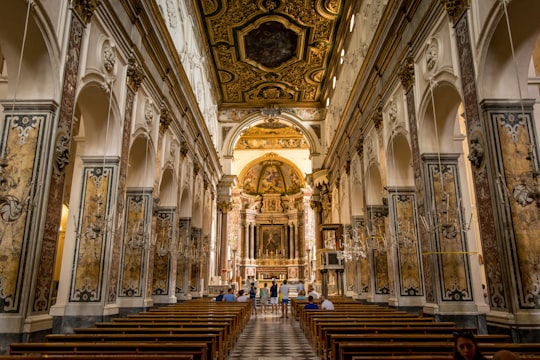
[(135, 73), (406, 74), (85, 9), (455, 8)]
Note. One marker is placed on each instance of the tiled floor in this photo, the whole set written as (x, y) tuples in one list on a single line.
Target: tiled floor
[(269, 337)]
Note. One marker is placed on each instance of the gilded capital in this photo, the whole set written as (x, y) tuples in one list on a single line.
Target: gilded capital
[(406, 73), (165, 119), (135, 74), (378, 118), (85, 9), (224, 206), (316, 206), (455, 8)]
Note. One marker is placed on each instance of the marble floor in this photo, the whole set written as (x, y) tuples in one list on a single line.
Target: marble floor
[(270, 337)]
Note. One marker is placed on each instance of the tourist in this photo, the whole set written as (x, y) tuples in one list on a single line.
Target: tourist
[(313, 292), (300, 287), (264, 294), (253, 298), (466, 347), (274, 297), (284, 290), (301, 295), (241, 296), (220, 296), (229, 296), (311, 304), (326, 304)]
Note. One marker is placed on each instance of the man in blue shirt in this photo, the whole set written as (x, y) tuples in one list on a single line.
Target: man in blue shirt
[(311, 304), (229, 296)]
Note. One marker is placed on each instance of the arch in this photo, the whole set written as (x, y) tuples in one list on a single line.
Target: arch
[(441, 107), (256, 118), (497, 75), (399, 157), (141, 163), (99, 125), (167, 192), (185, 210), (374, 187), (38, 74), (253, 172), (357, 190)]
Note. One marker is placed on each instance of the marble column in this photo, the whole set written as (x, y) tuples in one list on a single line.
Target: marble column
[(427, 289), (134, 80)]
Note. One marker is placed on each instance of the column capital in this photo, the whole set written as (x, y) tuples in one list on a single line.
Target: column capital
[(406, 73), (85, 9), (455, 8), (316, 205), (135, 73), (224, 206)]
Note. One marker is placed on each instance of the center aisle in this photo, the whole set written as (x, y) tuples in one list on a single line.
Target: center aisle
[(269, 337)]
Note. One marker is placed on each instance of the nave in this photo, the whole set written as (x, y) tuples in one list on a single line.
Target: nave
[(269, 337)]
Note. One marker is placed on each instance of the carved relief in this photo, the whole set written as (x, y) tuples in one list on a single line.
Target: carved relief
[(432, 54), (108, 56), (148, 112)]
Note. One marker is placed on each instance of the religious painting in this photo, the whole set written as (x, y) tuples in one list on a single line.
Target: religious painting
[(271, 241)]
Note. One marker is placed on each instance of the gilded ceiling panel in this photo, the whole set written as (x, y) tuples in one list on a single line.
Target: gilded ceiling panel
[(271, 51)]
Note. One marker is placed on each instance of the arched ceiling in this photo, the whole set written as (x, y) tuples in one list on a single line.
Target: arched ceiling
[(271, 175), (273, 52)]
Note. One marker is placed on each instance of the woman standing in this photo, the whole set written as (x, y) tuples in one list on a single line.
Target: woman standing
[(264, 294)]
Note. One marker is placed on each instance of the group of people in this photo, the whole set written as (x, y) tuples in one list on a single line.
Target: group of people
[(278, 297), (466, 348)]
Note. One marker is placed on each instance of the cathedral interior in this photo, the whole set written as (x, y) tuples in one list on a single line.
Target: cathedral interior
[(155, 151)]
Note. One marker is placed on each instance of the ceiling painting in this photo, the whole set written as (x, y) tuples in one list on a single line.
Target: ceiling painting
[(271, 176), (271, 135), (273, 52)]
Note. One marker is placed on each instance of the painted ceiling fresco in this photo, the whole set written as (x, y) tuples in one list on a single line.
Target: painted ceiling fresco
[(266, 52), (271, 177), (271, 135)]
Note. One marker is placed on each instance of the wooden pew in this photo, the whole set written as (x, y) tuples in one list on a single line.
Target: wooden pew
[(210, 339), (197, 349), (348, 350), (99, 357), (223, 344), (323, 344), (335, 338)]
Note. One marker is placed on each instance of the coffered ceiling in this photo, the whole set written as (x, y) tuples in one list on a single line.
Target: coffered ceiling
[(273, 52)]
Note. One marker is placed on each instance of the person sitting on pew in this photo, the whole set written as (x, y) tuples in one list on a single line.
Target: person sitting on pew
[(220, 296), (313, 292), (326, 304), (241, 296), (229, 296), (466, 347), (311, 305), (301, 295), (505, 355)]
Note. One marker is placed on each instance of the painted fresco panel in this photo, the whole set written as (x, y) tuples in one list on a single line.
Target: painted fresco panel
[(447, 228), (376, 242), (407, 246), (135, 244), (93, 231), (162, 253), (518, 162), (17, 186)]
